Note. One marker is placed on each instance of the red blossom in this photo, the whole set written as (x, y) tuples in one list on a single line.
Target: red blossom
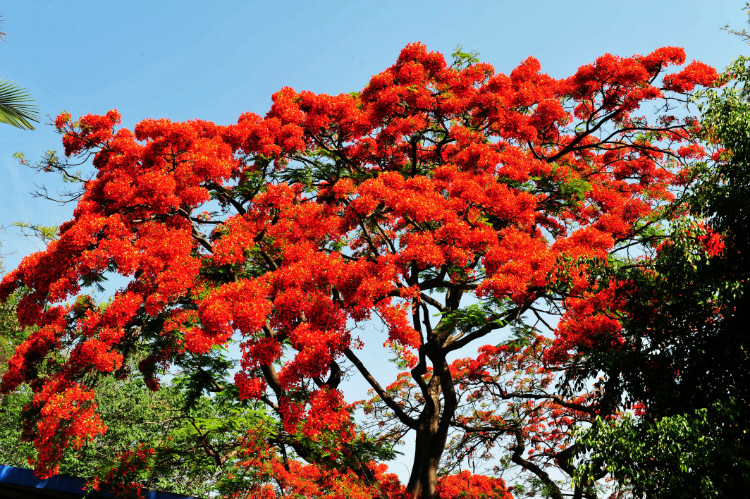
[(435, 188)]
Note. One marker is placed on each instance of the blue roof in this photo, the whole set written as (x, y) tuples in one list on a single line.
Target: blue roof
[(23, 480)]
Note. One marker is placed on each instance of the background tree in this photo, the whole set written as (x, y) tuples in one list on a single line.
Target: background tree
[(450, 204), (16, 105), (684, 361), (190, 441)]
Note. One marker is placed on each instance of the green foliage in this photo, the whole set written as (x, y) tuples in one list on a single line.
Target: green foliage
[(463, 59), (475, 316), (16, 106), (698, 454), (195, 447), (46, 233), (13, 451), (203, 374)]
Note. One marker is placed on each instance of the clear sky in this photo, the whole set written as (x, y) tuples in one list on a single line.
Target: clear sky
[(215, 60)]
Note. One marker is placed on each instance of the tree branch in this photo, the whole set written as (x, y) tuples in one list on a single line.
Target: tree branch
[(387, 399)]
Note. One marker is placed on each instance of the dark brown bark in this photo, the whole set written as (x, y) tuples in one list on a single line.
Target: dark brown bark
[(433, 423)]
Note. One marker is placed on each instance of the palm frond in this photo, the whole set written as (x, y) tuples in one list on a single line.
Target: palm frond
[(17, 106)]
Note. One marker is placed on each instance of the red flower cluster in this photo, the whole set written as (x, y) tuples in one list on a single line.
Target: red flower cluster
[(435, 184)]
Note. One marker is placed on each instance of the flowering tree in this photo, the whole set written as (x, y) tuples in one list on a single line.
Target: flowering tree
[(469, 213)]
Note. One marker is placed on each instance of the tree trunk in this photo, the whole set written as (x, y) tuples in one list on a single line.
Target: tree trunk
[(432, 430)]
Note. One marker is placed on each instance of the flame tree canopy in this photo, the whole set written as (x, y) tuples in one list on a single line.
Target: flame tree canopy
[(472, 215)]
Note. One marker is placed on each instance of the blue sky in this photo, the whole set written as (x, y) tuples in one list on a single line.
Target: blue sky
[(188, 59)]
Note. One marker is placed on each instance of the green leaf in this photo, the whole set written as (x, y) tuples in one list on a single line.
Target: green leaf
[(16, 106)]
